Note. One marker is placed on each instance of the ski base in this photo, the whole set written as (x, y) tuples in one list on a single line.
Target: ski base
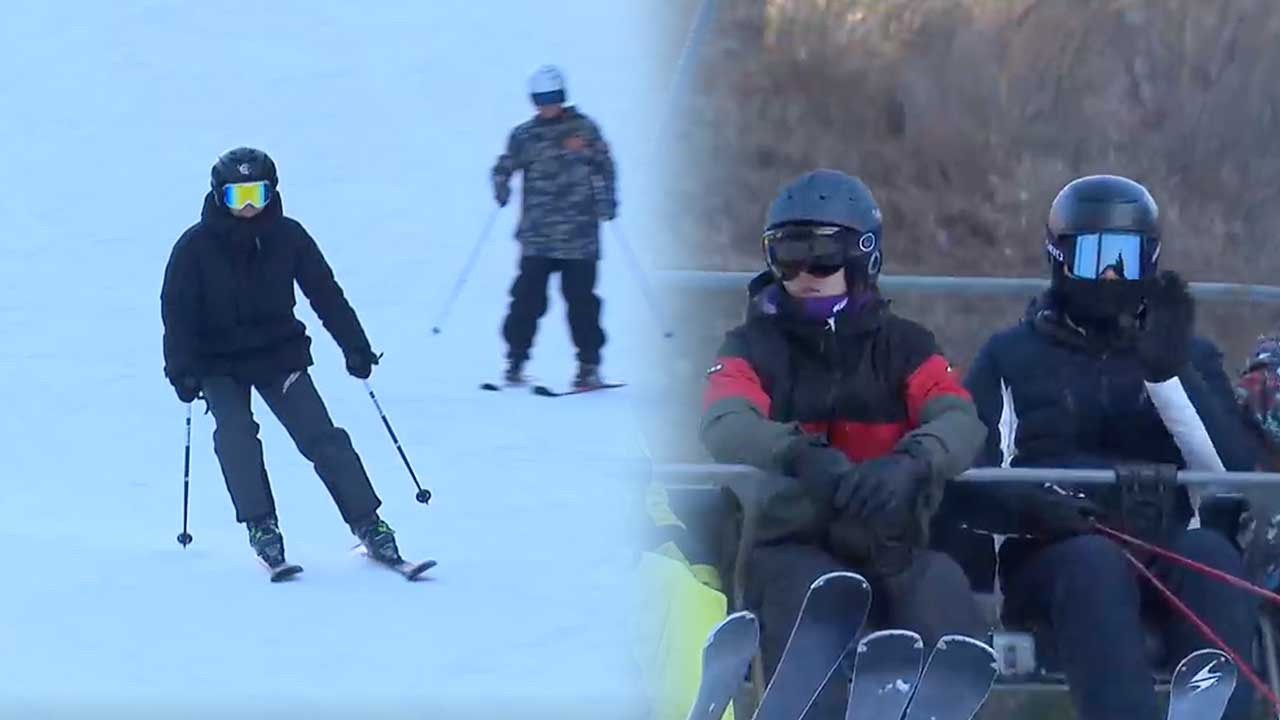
[(409, 570), (830, 618), (886, 672), (956, 681), (500, 386), (1201, 686), (548, 391), (726, 657), (281, 572)]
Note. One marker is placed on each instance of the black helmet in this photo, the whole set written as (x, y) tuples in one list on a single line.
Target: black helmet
[(842, 206), (242, 164), (1103, 203), (1102, 226)]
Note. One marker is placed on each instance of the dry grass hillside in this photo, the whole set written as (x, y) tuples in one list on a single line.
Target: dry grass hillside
[(965, 117)]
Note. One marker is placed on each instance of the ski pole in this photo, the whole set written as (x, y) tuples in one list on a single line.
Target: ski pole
[(184, 537), (1227, 578), (641, 280), (424, 495), (692, 42), (466, 271), (1205, 630)]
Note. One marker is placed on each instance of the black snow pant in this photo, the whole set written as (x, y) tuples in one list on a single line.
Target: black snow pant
[(529, 302), (1092, 602), (931, 598), (296, 404)]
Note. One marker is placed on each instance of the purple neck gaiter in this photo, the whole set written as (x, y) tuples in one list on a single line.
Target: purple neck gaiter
[(821, 308)]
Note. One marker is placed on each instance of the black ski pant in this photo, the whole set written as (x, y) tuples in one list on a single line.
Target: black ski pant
[(1093, 603), (296, 404), (931, 598), (529, 303)]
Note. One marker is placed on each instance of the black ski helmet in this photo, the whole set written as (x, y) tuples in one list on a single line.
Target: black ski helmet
[(242, 164), (1101, 204), (833, 198)]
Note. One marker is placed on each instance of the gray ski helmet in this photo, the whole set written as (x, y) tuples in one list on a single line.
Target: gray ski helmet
[(242, 164), (831, 197)]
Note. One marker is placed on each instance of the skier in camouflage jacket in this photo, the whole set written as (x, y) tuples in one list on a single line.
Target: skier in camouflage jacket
[(568, 189)]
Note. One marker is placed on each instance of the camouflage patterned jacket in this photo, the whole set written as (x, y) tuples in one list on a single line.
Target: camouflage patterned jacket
[(1258, 390), (568, 184)]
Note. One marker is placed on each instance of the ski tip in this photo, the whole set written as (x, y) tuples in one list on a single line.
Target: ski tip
[(966, 640), (413, 573), (841, 576), (916, 641)]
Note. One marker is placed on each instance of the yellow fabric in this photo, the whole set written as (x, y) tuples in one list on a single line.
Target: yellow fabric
[(658, 505), (679, 612)]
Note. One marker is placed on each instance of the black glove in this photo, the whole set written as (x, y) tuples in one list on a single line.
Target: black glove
[(607, 211), (1054, 515), (360, 363), (886, 484), (818, 466), (1164, 336), (501, 192), (187, 387)]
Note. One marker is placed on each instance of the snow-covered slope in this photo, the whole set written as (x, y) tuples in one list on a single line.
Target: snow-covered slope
[(384, 119)]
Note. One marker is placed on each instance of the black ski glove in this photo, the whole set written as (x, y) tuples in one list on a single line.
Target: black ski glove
[(1164, 336), (818, 466), (360, 363), (187, 387), (886, 484), (501, 192), (1054, 515)]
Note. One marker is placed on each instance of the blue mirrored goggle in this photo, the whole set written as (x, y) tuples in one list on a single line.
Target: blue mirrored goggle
[(1115, 255)]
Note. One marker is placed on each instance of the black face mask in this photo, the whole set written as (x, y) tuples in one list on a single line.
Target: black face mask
[(1091, 301)]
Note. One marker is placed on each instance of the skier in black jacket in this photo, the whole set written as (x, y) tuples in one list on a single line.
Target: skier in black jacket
[(229, 326), (856, 412), (1105, 370)]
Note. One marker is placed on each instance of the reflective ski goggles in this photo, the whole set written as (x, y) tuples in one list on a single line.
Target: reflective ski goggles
[(819, 250), (238, 195), (1115, 255)]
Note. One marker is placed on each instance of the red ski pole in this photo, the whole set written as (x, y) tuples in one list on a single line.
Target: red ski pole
[(1189, 563), (1206, 631)]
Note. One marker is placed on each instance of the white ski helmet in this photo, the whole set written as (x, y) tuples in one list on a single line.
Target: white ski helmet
[(546, 86)]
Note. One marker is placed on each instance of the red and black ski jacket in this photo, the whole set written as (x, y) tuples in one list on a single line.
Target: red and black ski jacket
[(865, 380)]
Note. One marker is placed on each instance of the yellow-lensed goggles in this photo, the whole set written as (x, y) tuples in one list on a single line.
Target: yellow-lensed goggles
[(237, 195)]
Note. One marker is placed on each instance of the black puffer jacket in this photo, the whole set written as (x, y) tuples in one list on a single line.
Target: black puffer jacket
[(1054, 394), (228, 297)]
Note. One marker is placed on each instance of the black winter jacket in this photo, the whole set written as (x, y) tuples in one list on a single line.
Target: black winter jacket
[(1053, 395), (865, 381), (228, 297)]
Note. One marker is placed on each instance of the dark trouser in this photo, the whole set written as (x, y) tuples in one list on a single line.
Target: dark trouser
[(1093, 604), (529, 302), (932, 598), (299, 408)]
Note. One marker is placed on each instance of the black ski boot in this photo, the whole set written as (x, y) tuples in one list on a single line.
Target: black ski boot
[(588, 376), (379, 540), (515, 373), (266, 540)]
